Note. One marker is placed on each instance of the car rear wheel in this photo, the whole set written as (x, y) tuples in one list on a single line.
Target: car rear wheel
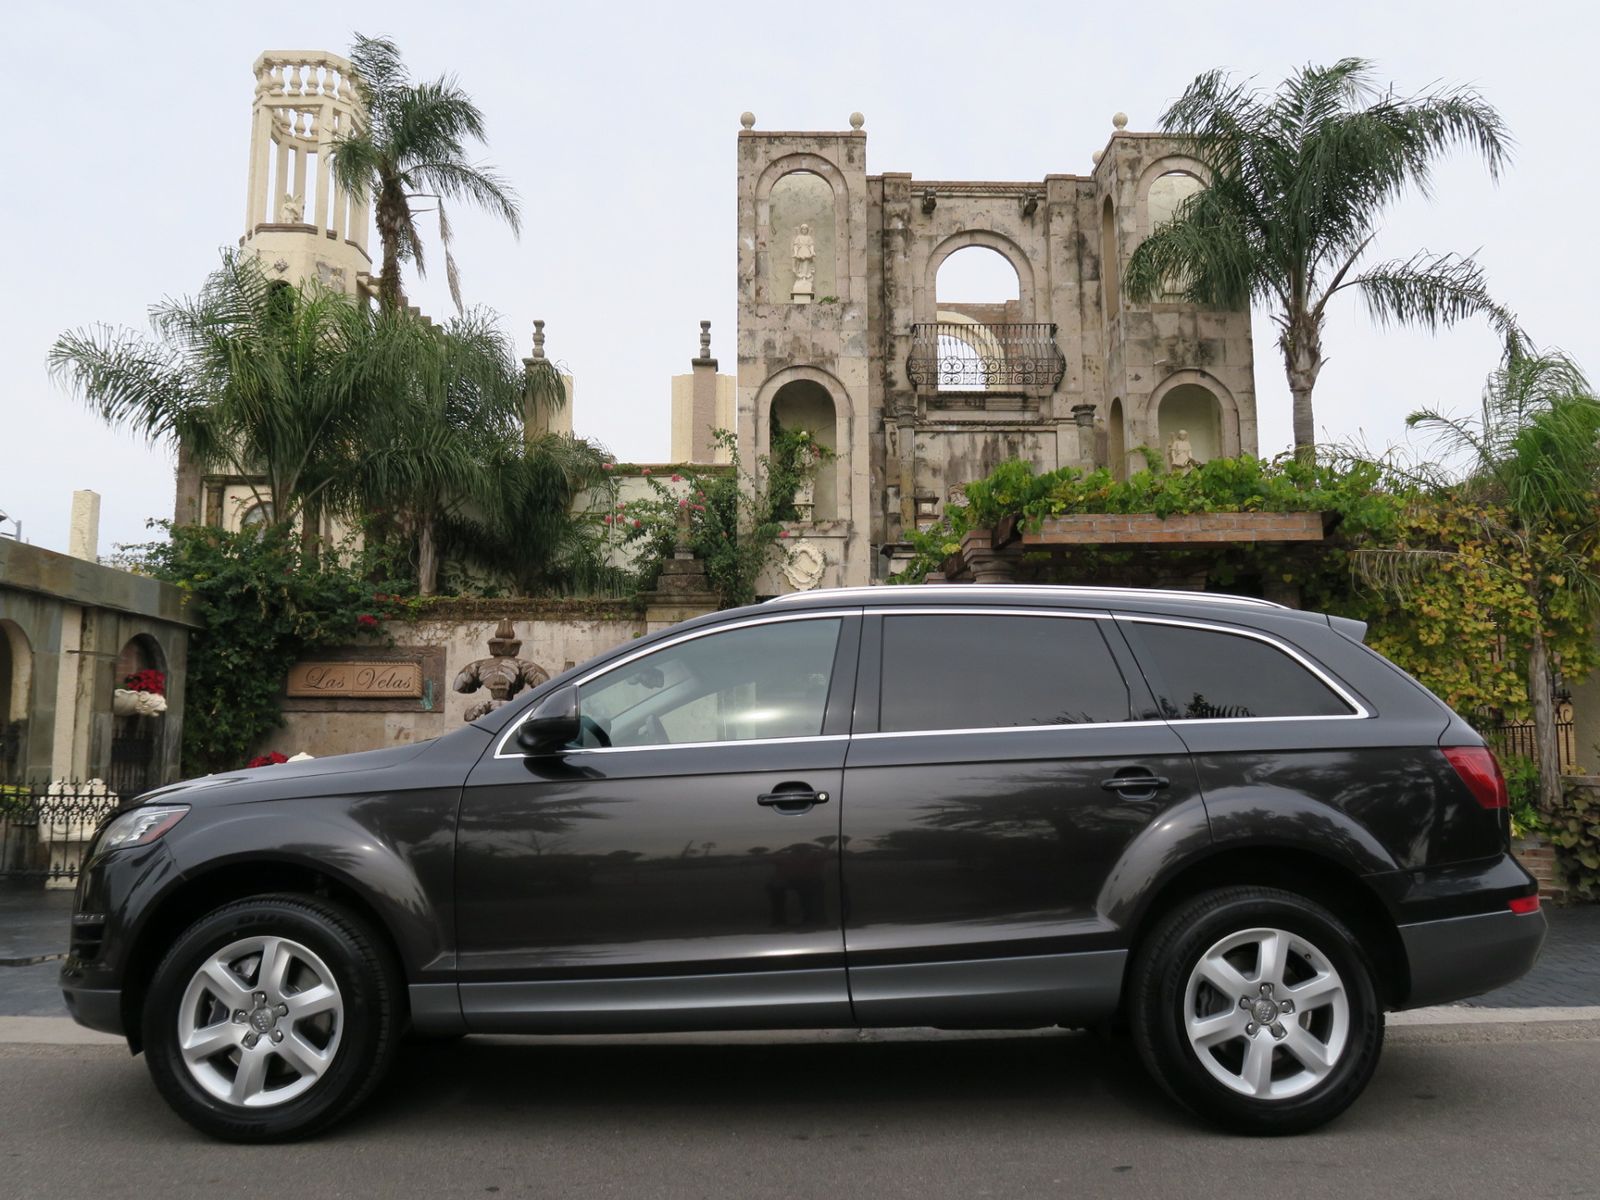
[(1256, 1008), (271, 1018)]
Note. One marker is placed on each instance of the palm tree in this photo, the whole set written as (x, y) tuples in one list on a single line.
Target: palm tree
[(1298, 182), (409, 147), (1532, 484), (271, 381)]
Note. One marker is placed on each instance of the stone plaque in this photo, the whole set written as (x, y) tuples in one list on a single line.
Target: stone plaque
[(370, 680)]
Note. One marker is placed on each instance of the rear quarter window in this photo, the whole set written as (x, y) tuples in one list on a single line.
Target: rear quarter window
[(1208, 675)]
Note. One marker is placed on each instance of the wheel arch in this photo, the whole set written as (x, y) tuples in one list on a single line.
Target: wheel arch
[(225, 883), (1292, 869)]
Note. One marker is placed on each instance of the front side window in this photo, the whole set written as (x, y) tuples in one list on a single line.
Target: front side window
[(762, 681), (977, 671), (1208, 675)]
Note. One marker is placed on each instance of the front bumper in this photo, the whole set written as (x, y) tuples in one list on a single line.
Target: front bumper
[(1458, 957)]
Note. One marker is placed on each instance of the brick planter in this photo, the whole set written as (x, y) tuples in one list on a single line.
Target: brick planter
[(1221, 528), (1539, 858)]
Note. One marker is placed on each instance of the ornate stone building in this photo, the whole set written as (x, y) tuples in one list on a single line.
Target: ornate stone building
[(845, 330)]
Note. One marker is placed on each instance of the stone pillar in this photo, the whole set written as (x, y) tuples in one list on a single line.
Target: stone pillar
[(1083, 417), (703, 400), (984, 562), (83, 538), (682, 591)]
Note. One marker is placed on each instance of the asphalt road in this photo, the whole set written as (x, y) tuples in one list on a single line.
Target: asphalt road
[(1490, 1111)]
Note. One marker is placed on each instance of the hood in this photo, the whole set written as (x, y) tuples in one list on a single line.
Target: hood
[(267, 783)]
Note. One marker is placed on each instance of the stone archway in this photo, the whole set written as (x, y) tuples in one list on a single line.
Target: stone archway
[(1117, 440), (16, 693), (804, 404), (925, 302), (807, 402)]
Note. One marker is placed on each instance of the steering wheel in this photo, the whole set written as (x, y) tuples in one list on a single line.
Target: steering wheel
[(591, 726)]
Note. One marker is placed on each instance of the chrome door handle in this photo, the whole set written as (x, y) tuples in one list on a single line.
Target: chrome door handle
[(1136, 783), (795, 799)]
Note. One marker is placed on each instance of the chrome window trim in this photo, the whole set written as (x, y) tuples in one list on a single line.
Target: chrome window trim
[(831, 614), (981, 590), (993, 729), (1360, 713)]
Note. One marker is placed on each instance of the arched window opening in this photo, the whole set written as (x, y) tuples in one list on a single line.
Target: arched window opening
[(1165, 197), (136, 734), (977, 326), (1190, 425), (1110, 262), (803, 405), (801, 264)]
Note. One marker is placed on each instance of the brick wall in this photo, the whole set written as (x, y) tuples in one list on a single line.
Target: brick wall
[(1539, 858), (1202, 528)]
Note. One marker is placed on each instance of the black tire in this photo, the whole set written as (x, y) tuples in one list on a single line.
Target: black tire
[(372, 1018), (1158, 998)]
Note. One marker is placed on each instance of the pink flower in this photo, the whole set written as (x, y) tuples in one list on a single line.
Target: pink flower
[(646, 471), (699, 508), (783, 533), (677, 479), (699, 495), (607, 466), (638, 524), (608, 519), (683, 504), (621, 504)]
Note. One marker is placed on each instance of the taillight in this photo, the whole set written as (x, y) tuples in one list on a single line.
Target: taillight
[(1480, 772), (1523, 905)]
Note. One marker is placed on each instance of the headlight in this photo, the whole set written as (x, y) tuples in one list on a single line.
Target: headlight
[(139, 827)]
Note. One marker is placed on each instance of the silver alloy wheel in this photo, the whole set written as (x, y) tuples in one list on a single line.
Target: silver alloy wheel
[(260, 1022), (1266, 1013)]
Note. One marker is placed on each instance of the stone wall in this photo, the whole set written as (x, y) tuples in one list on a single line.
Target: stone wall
[(555, 635)]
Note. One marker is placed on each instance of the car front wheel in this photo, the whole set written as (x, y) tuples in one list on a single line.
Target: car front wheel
[(1256, 1008), (272, 1017)]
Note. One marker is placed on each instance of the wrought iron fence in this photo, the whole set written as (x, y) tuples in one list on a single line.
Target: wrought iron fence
[(133, 757), (998, 357), (1515, 739), (45, 829)]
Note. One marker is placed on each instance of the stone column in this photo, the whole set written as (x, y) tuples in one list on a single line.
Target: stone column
[(83, 538), (703, 400), (1083, 417)]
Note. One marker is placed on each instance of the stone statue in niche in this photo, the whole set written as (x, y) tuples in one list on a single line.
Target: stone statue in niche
[(291, 210), (804, 250), (503, 673), (1180, 454)]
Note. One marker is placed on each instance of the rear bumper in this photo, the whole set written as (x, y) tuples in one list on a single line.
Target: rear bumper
[(1458, 957)]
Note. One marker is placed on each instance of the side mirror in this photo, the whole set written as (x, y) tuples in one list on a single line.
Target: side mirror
[(552, 724)]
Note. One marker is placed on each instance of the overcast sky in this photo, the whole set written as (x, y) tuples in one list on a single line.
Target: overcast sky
[(126, 145)]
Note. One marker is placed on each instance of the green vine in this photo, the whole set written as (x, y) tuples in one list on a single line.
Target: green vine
[(262, 609)]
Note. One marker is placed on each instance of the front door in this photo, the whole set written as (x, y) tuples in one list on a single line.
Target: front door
[(679, 866), (1002, 763)]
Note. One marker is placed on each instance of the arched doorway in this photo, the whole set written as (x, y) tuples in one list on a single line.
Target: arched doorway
[(805, 405), (136, 739), (1117, 441), (16, 686)]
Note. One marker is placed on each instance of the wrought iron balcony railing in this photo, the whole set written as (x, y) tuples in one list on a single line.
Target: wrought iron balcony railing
[(1016, 358)]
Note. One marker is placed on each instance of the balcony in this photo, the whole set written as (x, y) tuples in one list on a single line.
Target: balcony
[(973, 361)]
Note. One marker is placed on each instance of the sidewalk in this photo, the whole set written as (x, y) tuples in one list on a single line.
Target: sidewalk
[(34, 932)]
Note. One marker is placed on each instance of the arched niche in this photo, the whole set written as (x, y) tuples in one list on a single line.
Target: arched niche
[(794, 190), (804, 404), (927, 300), (16, 693), (1117, 440), (1193, 402), (139, 653), (812, 399), (1110, 262)]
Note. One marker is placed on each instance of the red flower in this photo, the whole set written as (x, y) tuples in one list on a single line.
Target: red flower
[(646, 471), (367, 621), (268, 760), (677, 479), (608, 519), (638, 524), (148, 680)]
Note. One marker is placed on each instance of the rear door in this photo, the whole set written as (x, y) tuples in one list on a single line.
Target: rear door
[(1001, 762)]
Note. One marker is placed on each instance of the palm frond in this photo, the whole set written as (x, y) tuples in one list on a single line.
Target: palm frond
[(1431, 290)]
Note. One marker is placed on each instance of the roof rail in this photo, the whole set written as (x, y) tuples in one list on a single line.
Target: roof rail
[(1036, 589)]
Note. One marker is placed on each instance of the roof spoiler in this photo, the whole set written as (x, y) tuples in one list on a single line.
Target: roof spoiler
[(1355, 630)]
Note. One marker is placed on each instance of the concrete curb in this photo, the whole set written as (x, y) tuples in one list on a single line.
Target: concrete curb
[(1465, 1014)]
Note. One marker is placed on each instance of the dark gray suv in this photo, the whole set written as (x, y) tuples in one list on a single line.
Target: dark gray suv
[(1226, 826)]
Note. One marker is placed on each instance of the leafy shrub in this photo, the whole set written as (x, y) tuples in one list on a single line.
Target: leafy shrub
[(1575, 831)]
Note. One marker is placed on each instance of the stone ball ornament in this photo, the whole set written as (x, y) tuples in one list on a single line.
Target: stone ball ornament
[(857, 120), (747, 119)]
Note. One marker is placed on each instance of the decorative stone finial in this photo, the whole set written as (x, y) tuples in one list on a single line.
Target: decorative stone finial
[(747, 119), (1119, 121), (1097, 156), (538, 339), (857, 120), (705, 339)]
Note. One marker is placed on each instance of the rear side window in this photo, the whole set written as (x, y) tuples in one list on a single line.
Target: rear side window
[(1203, 675), (969, 671)]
